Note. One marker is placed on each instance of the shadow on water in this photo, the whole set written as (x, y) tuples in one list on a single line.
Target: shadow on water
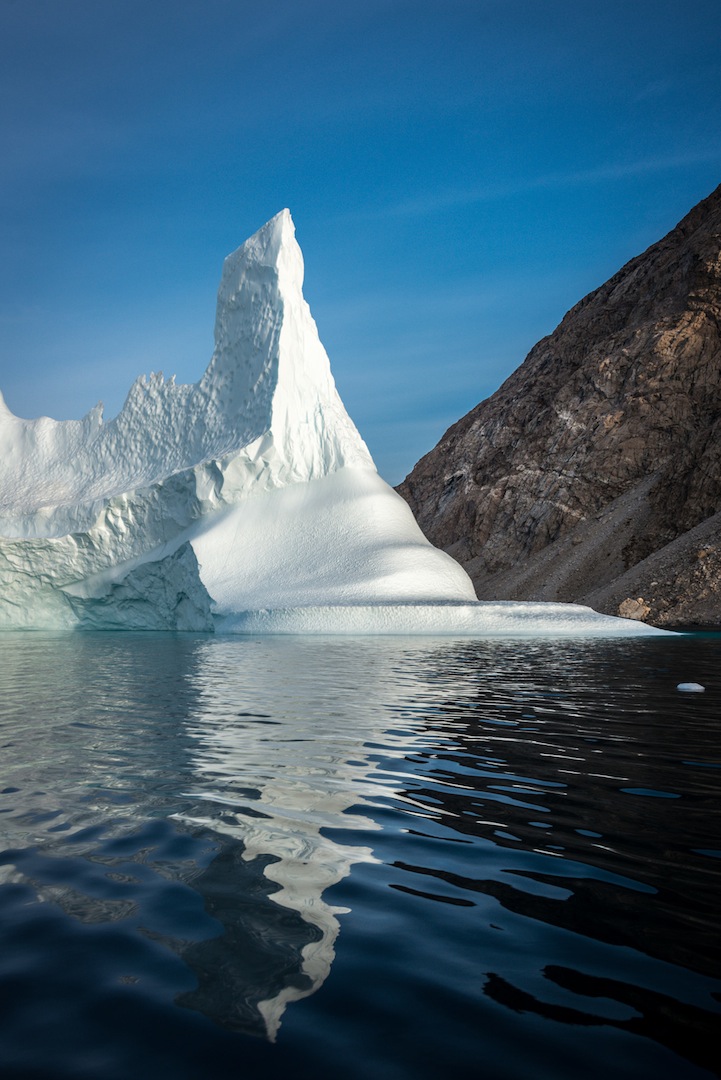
[(519, 840)]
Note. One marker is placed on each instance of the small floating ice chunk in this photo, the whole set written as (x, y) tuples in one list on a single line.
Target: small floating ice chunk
[(691, 687)]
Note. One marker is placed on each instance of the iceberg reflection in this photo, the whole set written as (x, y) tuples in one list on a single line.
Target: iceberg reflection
[(282, 765)]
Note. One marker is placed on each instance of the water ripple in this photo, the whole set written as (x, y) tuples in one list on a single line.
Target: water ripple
[(505, 851)]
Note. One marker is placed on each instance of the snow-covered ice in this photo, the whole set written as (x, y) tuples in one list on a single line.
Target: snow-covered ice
[(246, 502)]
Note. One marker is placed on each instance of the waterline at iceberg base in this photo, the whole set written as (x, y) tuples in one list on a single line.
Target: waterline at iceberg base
[(244, 503), (481, 619)]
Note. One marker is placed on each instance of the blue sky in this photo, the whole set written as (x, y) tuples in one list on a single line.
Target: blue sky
[(460, 174)]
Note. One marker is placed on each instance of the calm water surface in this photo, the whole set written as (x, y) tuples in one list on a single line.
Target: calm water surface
[(358, 857)]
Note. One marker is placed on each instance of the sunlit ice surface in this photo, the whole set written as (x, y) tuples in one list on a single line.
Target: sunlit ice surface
[(246, 502)]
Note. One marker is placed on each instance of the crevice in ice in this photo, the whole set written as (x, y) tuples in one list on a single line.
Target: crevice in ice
[(163, 595)]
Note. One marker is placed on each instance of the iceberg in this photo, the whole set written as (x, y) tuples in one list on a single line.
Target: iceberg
[(244, 503)]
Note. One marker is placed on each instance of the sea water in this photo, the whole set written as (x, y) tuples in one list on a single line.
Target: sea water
[(358, 857)]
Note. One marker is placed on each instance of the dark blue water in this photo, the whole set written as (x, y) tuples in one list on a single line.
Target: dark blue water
[(358, 858)]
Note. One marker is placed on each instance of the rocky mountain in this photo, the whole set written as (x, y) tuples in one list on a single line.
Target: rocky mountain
[(594, 473)]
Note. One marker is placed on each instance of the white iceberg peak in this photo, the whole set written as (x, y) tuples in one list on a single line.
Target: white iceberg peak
[(236, 502), (269, 372), (105, 524), (267, 351)]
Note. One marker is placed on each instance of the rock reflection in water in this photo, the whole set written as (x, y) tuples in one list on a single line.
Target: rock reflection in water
[(576, 772)]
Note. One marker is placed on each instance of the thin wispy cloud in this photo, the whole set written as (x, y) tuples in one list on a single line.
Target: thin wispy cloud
[(456, 198)]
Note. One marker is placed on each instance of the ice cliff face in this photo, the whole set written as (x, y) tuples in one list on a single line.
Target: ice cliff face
[(249, 489)]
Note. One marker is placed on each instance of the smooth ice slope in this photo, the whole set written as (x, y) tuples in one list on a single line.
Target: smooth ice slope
[(246, 502)]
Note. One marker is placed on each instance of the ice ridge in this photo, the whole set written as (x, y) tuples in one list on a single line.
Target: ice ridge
[(214, 505)]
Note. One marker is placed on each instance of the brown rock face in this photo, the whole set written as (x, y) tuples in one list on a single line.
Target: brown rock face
[(603, 448)]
